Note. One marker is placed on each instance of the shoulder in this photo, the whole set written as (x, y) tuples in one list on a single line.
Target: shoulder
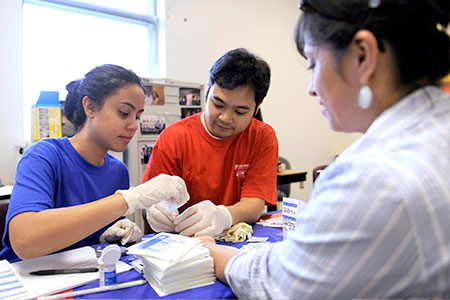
[(48, 148), (182, 127), (261, 131), (401, 175)]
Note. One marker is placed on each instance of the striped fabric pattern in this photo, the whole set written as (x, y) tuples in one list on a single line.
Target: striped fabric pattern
[(378, 221)]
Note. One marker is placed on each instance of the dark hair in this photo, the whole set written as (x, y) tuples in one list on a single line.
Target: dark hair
[(414, 29), (239, 67), (98, 84)]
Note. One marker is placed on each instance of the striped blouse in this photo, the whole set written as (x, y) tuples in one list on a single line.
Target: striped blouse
[(378, 221)]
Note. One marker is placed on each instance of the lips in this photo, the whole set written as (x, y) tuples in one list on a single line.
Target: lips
[(126, 138), (223, 127)]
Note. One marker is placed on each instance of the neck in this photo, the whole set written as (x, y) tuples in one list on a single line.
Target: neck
[(88, 149)]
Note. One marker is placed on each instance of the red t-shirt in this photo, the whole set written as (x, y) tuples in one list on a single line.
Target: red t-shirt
[(220, 170)]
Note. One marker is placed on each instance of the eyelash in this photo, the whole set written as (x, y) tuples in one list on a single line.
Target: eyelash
[(123, 114), (220, 106)]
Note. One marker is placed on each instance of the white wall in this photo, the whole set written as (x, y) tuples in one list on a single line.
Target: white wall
[(199, 32), (10, 86)]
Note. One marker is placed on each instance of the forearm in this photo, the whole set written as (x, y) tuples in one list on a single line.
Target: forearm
[(34, 234), (247, 210)]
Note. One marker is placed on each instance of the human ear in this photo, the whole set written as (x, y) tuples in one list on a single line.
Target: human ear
[(257, 108), (89, 107), (366, 50)]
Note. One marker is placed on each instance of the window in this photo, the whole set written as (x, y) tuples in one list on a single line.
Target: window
[(63, 39)]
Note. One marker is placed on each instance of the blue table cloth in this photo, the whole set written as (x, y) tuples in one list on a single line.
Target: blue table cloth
[(218, 290)]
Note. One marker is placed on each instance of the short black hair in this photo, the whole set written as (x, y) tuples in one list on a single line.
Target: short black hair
[(414, 29), (98, 84), (238, 68)]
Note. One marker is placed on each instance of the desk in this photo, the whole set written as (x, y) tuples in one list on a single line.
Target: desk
[(289, 176), (218, 290)]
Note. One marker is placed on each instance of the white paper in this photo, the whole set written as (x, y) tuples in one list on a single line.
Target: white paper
[(291, 208), (44, 285), (174, 263), (165, 246), (6, 190), (273, 222), (11, 286)]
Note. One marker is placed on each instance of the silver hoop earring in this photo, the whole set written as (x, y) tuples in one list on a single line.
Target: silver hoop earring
[(365, 97)]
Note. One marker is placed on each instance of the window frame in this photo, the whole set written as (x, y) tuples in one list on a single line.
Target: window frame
[(150, 20)]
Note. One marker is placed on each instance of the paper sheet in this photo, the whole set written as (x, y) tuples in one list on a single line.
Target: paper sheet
[(46, 285), (11, 286)]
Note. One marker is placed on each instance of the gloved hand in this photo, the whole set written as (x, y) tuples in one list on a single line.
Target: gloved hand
[(161, 187), (123, 230), (204, 218), (161, 218)]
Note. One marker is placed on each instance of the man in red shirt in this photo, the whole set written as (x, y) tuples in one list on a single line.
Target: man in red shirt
[(227, 158)]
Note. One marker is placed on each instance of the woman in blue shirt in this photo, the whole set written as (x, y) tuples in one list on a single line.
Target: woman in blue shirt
[(68, 191)]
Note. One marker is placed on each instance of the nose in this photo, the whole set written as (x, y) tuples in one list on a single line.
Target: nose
[(311, 89), (226, 116), (132, 125)]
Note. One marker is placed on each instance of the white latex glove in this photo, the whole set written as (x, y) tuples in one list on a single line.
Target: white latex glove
[(162, 187), (123, 230), (160, 217), (204, 218)]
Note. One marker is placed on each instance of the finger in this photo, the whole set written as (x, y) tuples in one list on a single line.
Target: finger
[(162, 207), (191, 230), (180, 186), (188, 222), (186, 214), (125, 239), (209, 231), (157, 227), (114, 235), (158, 222), (157, 216), (120, 232)]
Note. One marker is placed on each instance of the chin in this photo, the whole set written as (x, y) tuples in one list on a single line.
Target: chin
[(118, 148)]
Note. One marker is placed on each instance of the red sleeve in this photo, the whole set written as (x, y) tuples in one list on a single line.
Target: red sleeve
[(261, 179), (162, 160)]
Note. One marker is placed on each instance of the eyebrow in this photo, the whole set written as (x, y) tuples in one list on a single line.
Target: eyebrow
[(131, 105), (239, 106)]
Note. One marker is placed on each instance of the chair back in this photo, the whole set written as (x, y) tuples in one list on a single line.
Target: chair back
[(284, 190), (3, 211), (317, 170)]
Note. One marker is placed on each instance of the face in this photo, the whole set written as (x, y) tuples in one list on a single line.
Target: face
[(114, 125), (229, 112), (336, 89)]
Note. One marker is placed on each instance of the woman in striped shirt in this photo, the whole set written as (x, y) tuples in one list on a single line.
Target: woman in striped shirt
[(377, 223)]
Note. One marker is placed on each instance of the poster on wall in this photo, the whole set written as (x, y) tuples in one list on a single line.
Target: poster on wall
[(189, 96), (146, 153), (152, 124), (189, 111), (154, 94)]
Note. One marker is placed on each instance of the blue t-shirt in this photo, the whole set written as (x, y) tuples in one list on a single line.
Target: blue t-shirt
[(52, 174)]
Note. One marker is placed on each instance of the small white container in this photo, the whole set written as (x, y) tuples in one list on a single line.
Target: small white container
[(107, 265)]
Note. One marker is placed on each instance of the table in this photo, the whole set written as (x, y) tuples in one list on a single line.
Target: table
[(289, 176), (5, 192), (218, 290)]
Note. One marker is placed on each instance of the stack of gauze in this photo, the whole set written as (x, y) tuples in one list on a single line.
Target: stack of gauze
[(174, 263)]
